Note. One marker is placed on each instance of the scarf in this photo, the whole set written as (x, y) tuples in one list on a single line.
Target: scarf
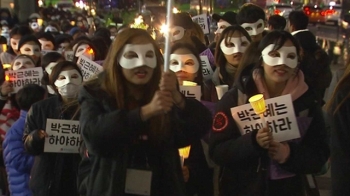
[(8, 116), (295, 86)]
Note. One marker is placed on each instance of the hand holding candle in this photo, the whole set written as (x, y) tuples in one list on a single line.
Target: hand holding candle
[(6, 87), (264, 136), (184, 154)]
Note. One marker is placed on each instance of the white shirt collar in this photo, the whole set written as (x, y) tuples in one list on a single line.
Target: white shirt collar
[(298, 31)]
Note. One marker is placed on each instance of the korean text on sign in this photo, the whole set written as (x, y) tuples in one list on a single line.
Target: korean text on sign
[(191, 92), (88, 68), (279, 115), (63, 136), (207, 71), (202, 20), (21, 77)]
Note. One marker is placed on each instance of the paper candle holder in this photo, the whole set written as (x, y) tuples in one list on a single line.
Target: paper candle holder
[(188, 83), (258, 103), (185, 152), (6, 66)]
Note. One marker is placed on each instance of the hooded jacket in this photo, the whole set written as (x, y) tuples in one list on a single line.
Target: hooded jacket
[(18, 163)]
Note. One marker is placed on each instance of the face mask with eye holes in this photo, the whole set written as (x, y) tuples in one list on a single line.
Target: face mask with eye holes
[(138, 55), (237, 45), (254, 28), (184, 62), (284, 56), (222, 26)]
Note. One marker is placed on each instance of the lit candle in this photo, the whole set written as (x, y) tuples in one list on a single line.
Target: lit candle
[(188, 83), (6, 66), (184, 154), (7, 78), (258, 104), (4, 47)]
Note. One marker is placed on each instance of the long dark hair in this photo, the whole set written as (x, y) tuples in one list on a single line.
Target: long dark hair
[(179, 45), (115, 84), (220, 59), (46, 60), (73, 106), (345, 80)]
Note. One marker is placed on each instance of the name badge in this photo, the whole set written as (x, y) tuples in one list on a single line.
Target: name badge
[(138, 182)]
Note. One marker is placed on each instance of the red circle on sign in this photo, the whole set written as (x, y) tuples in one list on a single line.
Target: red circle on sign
[(220, 121)]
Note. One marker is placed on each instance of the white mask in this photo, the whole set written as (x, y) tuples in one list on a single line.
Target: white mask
[(50, 89), (254, 28), (69, 90), (46, 45), (49, 67), (222, 26), (81, 50), (137, 55), (69, 79), (239, 45), (34, 25), (51, 29), (283, 59), (31, 50), (22, 63), (63, 46), (176, 33), (184, 62), (14, 44)]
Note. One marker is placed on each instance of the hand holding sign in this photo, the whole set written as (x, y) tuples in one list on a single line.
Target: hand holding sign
[(6, 87)]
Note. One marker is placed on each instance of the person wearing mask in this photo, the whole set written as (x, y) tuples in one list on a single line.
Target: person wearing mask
[(252, 18), (18, 163), (232, 44), (224, 21), (130, 122), (30, 45), (8, 104), (54, 174), (47, 41), (15, 35), (182, 28), (49, 61), (63, 42), (253, 163), (185, 62)]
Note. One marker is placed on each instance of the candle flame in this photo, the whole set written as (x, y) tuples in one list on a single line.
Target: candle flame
[(7, 78)]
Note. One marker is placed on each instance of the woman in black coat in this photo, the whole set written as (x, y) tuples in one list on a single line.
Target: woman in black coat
[(133, 121)]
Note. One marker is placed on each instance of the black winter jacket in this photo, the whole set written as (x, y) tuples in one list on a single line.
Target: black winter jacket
[(245, 164), (340, 145), (53, 173), (115, 141)]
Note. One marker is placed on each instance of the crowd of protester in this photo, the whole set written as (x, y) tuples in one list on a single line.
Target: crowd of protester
[(133, 116)]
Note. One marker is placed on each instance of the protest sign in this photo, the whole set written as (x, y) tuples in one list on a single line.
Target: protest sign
[(207, 71), (191, 92), (279, 115), (21, 77), (202, 20), (88, 67), (63, 136)]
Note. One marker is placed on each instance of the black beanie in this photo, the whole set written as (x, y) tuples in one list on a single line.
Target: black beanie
[(28, 38)]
